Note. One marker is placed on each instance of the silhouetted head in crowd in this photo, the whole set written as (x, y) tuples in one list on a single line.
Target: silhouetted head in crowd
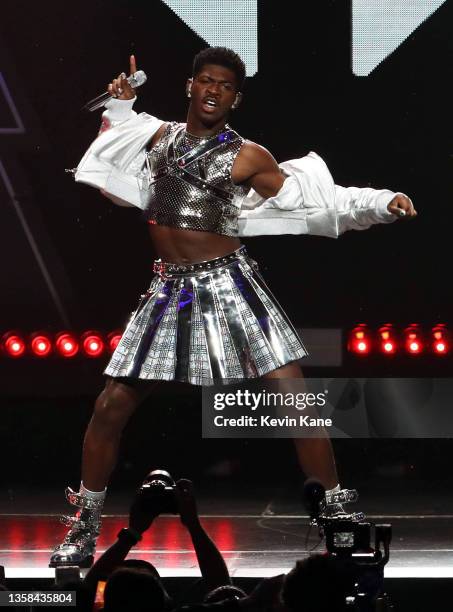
[(319, 583), (228, 591), (141, 564), (134, 589), (148, 567)]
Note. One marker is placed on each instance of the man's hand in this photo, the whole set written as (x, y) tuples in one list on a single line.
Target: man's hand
[(402, 206), (119, 88), (140, 516), (185, 496)]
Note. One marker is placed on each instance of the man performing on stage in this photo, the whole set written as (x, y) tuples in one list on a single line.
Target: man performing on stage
[(208, 316)]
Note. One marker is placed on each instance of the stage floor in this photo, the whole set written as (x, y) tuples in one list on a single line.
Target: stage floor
[(257, 535)]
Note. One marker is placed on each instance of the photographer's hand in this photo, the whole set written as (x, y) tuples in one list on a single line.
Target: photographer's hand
[(210, 560), (141, 516), (185, 496)]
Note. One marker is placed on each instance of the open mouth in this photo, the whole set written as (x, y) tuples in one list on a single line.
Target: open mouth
[(209, 105)]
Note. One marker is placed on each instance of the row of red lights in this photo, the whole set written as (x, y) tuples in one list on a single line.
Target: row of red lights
[(63, 344), (362, 341), (388, 341)]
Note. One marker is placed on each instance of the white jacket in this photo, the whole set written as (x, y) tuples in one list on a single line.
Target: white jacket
[(308, 203)]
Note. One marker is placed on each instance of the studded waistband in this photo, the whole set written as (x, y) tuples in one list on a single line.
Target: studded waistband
[(170, 269)]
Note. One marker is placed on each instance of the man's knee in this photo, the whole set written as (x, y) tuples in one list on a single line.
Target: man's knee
[(290, 370), (115, 405)]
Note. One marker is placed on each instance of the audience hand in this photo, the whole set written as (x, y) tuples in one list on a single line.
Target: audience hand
[(185, 496), (141, 515)]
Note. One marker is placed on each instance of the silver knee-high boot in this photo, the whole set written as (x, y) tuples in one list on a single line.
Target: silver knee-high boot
[(79, 545)]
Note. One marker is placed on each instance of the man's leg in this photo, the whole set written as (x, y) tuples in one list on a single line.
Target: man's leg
[(315, 455), (113, 409)]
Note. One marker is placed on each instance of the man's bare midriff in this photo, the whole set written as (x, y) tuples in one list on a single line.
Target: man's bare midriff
[(183, 246)]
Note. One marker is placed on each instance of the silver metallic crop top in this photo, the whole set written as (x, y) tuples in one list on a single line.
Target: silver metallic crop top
[(190, 181)]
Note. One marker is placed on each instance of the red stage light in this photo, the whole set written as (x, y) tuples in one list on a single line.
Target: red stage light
[(359, 340), (66, 344), (93, 344), (14, 345), (414, 343), (113, 339), (441, 340), (388, 343), (41, 345)]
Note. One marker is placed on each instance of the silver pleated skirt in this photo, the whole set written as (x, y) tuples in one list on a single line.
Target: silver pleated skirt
[(206, 323)]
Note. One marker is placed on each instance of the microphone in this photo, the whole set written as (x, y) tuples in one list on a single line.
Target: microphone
[(134, 80)]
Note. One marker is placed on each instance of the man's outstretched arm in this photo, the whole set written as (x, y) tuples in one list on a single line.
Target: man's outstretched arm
[(357, 208)]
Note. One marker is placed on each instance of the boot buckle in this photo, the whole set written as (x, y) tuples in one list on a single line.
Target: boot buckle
[(82, 501)]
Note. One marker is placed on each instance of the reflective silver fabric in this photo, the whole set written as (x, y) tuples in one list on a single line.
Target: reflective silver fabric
[(215, 324), (175, 202)]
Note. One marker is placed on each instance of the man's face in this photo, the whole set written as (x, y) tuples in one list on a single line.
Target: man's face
[(213, 92)]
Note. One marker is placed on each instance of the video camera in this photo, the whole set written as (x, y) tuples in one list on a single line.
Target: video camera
[(348, 537)]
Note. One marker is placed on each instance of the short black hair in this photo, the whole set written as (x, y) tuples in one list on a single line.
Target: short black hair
[(133, 589), (142, 565), (222, 57)]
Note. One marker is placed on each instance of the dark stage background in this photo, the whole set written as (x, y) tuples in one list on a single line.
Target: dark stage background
[(390, 129)]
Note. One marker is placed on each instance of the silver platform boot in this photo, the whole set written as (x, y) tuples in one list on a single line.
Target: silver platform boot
[(333, 505), (79, 545)]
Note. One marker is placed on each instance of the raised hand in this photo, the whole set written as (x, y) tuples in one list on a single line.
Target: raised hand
[(185, 496), (119, 88), (141, 515)]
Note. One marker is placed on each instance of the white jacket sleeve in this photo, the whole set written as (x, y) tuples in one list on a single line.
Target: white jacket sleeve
[(309, 202), (117, 111), (115, 160), (359, 208)]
